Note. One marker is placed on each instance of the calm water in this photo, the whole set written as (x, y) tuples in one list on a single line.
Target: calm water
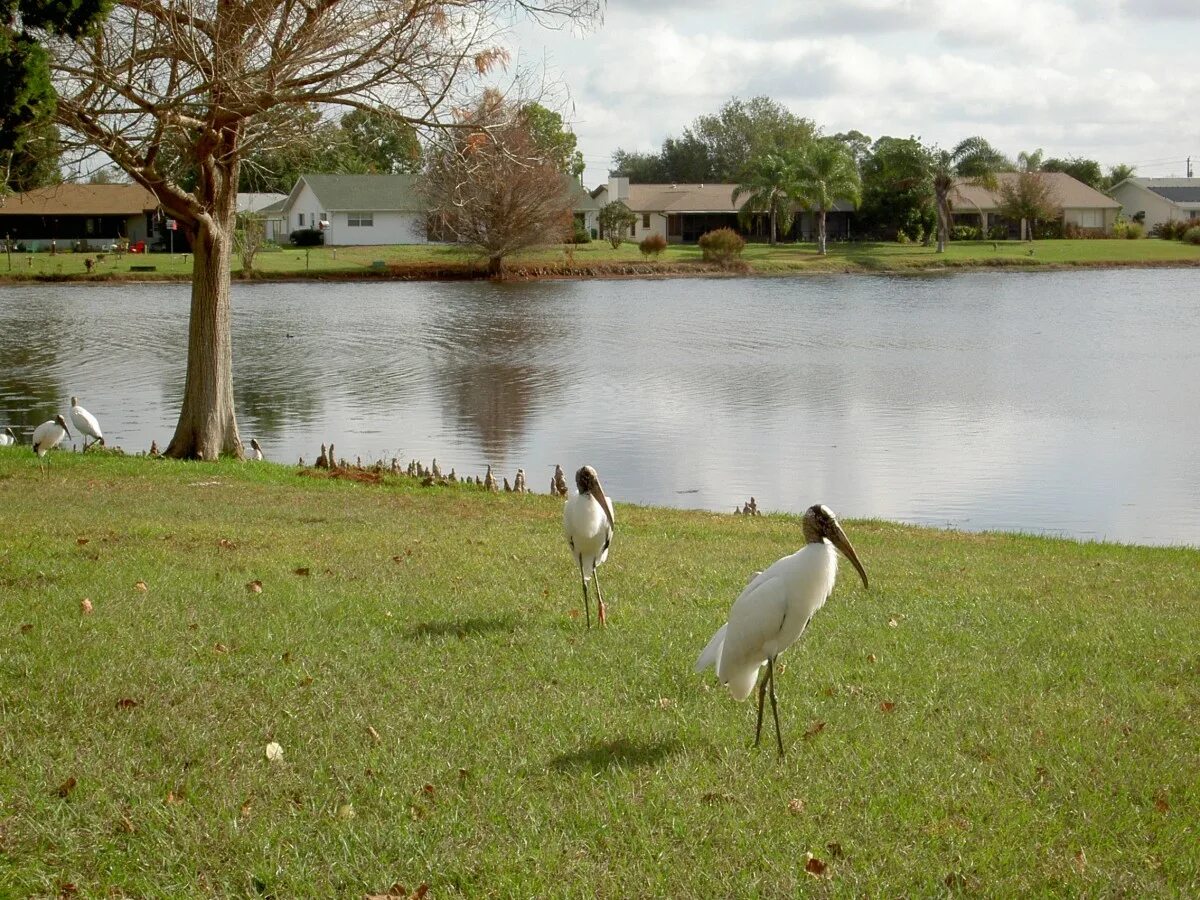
[(1064, 403)]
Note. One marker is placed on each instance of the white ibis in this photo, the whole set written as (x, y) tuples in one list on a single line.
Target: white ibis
[(7, 437), (255, 450), (773, 610), (47, 436), (85, 423), (588, 526)]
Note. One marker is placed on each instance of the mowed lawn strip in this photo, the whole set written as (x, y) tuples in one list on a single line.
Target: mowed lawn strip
[(1001, 714), (599, 257)]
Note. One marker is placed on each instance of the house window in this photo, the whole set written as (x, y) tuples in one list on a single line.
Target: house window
[(301, 219), (89, 226), (645, 220), (1091, 218), (360, 219)]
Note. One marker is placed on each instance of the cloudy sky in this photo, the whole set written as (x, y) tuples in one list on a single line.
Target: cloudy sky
[(1113, 80)]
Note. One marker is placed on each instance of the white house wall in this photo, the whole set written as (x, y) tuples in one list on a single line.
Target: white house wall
[(385, 228), (1134, 199), (658, 225)]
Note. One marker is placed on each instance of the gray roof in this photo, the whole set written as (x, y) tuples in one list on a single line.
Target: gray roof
[(1190, 194), (258, 202), (364, 193)]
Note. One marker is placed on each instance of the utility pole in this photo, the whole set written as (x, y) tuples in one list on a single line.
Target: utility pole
[(1189, 167)]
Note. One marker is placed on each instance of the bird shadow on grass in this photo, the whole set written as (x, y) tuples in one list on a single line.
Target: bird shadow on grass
[(620, 753), (461, 628)]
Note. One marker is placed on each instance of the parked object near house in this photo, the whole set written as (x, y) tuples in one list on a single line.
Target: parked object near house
[(682, 213), (81, 217), (1159, 200), (1081, 206)]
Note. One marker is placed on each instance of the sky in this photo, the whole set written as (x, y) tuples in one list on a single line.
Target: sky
[(1112, 80)]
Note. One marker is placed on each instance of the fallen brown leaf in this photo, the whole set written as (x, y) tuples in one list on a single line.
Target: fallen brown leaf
[(126, 824), (814, 729), (64, 789), (174, 799), (85, 606), (835, 849), (796, 806), (1160, 802), (887, 706), (428, 790), (870, 657), (814, 866), (140, 586), (226, 544), (1080, 860), (345, 811), (127, 703), (220, 648), (397, 559), (254, 587), (462, 774), (26, 628), (303, 571), (81, 541), (245, 810), (892, 623), (286, 657), (374, 734), (306, 681)]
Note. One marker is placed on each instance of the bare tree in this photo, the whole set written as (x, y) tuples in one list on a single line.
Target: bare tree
[(249, 238), (494, 187), (177, 92)]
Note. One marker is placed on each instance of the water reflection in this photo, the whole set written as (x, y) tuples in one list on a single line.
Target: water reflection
[(1043, 402)]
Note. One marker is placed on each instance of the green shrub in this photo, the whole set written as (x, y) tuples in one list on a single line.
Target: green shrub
[(965, 233), (902, 237), (1192, 235), (653, 245), (723, 246), (307, 237), (1173, 230), (579, 236), (1130, 231)]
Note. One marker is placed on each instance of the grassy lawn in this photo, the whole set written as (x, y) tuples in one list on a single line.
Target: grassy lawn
[(1003, 715), (762, 258)]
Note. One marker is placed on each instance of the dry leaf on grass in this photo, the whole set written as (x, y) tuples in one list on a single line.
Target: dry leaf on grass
[(835, 849), (428, 790), (26, 628), (303, 571), (892, 623), (1160, 802), (254, 587), (374, 734), (245, 810), (887, 706), (140, 586), (81, 541), (64, 790), (220, 648), (870, 657), (127, 703), (226, 544), (795, 806), (174, 799), (274, 752), (306, 681), (814, 866), (345, 811), (1080, 860), (85, 606), (814, 729)]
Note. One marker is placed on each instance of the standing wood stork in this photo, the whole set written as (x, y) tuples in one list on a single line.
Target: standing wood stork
[(47, 436), (774, 609), (85, 423), (7, 437), (588, 526), (255, 450)]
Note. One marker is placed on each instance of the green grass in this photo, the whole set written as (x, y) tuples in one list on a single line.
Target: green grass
[(1043, 738), (761, 258)]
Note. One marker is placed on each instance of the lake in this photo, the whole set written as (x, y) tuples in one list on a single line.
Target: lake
[(1062, 403)]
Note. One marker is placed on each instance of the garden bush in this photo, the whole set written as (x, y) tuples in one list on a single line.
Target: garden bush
[(1192, 235), (579, 236), (653, 245), (1173, 230), (723, 246), (307, 237), (1128, 230), (965, 233)]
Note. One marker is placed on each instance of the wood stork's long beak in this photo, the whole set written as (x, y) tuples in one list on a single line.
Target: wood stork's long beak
[(597, 493), (68, 431), (839, 540)]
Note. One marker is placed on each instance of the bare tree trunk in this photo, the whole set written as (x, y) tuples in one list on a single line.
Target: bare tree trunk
[(772, 225), (496, 266), (821, 229), (207, 425), (943, 227)]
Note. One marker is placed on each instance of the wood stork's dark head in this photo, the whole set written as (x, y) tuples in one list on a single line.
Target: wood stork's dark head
[(821, 524), (588, 482), (63, 422)]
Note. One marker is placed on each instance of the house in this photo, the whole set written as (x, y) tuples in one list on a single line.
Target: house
[(681, 213), (1159, 200), (268, 207), (357, 209), (80, 216), (1081, 206)]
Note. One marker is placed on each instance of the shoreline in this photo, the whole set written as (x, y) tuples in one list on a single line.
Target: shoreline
[(609, 271)]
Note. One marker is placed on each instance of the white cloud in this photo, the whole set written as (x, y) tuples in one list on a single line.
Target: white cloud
[(1072, 77)]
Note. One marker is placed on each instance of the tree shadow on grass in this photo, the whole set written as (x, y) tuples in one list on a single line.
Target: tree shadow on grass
[(619, 753), (461, 628)]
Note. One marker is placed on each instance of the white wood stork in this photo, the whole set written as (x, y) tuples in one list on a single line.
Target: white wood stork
[(774, 609), (588, 526), (7, 437), (255, 450), (85, 423), (47, 436)]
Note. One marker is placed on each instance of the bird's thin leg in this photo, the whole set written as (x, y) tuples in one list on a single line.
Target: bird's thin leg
[(762, 690), (587, 609), (601, 611), (774, 707)]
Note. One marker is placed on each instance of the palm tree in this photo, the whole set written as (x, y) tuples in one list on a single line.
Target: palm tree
[(974, 161), (767, 187), (827, 173)]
